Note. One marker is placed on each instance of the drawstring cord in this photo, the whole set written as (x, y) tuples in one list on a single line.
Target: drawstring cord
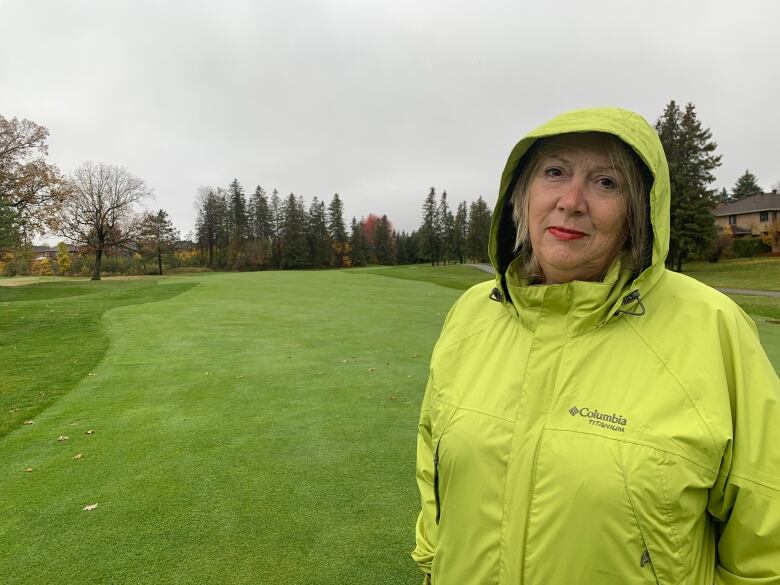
[(633, 297), (496, 295)]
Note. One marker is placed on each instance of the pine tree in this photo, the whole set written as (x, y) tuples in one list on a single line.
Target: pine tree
[(260, 218), (295, 253), (460, 232), (337, 230), (723, 196), (357, 242), (318, 236), (446, 226), (238, 219), (690, 152), (384, 247), (746, 186), (276, 218), (478, 231), (429, 230), (157, 235)]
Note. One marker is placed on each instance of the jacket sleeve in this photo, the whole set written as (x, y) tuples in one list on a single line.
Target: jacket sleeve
[(745, 500), (426, 531)]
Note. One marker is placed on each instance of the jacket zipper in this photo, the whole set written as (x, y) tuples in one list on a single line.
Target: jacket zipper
[(436, 480)]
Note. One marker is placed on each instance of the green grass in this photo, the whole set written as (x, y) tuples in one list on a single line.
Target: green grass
[(747, 273), (256, 428), (248, 428), (51, 337), (455, 276)]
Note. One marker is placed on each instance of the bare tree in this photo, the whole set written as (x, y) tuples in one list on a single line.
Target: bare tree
[(100, 214)]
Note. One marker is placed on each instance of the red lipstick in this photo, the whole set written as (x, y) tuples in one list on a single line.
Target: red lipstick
[(564, 233)]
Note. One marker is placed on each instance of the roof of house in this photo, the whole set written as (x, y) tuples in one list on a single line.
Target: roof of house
[(752, 204)]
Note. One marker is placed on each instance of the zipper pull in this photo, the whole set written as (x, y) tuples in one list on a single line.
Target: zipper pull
[(645, 558)]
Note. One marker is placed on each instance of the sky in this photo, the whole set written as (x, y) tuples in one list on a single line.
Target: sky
[(376, 101)]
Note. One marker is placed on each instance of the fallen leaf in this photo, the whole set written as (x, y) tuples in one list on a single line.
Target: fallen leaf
[(415, 355), (78, 455), (208, 373), (320, 373), (28, 469), (90, 432), (371, 369), (239, 377), (12, 410), (90, 374), (392, 397), (63, 438), (89, 507), (29, 422)]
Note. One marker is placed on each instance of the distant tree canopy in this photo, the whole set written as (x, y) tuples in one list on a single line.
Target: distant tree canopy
[(746, 186)]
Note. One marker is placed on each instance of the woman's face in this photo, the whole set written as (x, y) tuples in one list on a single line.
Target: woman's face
[(576, 209)]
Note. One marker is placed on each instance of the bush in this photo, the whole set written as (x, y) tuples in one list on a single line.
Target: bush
[(41, 267), (749, 247), (722, 246)]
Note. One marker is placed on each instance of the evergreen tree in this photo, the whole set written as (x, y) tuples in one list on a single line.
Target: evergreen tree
[(238, 229), (460, 232), (478, 231), (723, 196), (446, 226), (260, 224), (157, 235), (276, 218), (746, 186), (357, 241), (429, 230), (384, 248), (690, 152), (318, 236), (337, 230), (295, 253)]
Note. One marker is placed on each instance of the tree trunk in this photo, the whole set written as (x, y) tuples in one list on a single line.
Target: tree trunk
[(159, 260), (98, 259)]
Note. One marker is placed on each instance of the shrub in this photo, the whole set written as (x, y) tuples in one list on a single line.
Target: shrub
[(749, 247)]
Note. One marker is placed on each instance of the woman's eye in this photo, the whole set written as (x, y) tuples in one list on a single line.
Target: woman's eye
[(607, 183), (553, 172)]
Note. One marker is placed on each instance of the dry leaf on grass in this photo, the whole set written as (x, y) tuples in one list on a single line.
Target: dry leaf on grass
[(63, 438), (90, 432), (90, 374), (89, 507), (29, 422), (371, 369), (78, 456), (28, 469)]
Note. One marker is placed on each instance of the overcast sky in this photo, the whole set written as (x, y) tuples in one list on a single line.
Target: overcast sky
[(377, 101)]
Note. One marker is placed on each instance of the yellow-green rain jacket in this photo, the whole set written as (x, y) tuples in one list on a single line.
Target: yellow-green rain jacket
[(610, 433)]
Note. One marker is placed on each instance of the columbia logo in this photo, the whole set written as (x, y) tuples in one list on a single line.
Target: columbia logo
[(573, 410)]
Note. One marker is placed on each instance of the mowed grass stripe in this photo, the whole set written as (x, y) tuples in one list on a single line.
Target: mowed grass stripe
[(258, 428)]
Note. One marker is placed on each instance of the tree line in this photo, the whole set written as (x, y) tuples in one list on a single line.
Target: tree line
[(96, 208), (261, 231)]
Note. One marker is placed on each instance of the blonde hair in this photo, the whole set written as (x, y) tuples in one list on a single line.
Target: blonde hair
[(631, 182)]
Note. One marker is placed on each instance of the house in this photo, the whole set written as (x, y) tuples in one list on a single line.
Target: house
[(750, 217), (43, 252)]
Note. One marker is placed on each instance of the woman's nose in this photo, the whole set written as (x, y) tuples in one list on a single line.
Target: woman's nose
[(572, 200)]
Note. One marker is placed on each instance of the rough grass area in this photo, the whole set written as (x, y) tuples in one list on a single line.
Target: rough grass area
[(747, 273), (457, 276), (256, 428)]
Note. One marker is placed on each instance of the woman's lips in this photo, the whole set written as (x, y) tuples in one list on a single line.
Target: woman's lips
[(565, 234)]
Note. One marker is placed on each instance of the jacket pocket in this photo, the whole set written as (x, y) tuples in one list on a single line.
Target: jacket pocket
[(444, 414)]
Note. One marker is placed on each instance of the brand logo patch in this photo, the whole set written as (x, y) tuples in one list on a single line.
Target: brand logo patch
[(613, 422)]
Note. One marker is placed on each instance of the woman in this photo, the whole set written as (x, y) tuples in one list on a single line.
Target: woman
[(592, 417)]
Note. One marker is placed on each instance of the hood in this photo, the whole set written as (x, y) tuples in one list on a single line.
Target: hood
[(629, 127)]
